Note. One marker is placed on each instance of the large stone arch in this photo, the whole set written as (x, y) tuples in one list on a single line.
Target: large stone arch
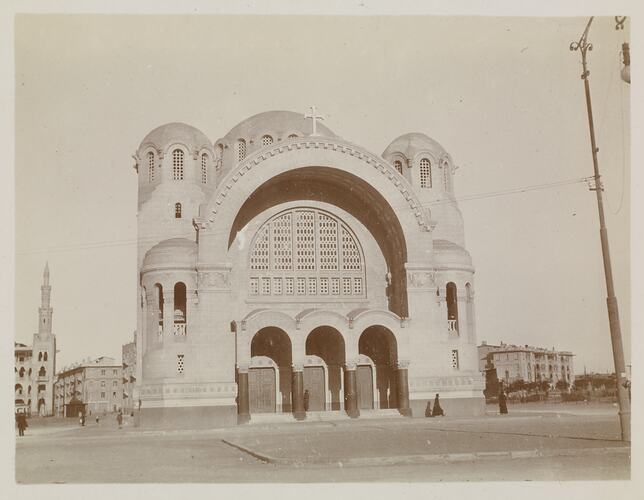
[(330, 171)]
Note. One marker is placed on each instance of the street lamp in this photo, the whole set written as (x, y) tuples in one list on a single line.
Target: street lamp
[(611, 301)]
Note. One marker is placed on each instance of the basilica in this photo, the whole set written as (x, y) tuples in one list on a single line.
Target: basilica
[(285, 271)]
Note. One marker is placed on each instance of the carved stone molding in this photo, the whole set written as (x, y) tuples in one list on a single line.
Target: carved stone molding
[(421, 279), (156, 391), (420, 213), (243, 367), (403, 364), (469, 382), (215, 279)]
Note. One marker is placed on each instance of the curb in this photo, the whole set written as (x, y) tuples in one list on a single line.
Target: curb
[(439, 458)]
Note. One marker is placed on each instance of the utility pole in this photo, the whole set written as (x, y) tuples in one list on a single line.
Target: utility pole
[(611, 301)]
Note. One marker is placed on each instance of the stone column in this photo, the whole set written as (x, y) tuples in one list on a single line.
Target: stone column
[(403, 388), (243, 404), (297, 391), (168, 313), (350, 390), (461, 307)]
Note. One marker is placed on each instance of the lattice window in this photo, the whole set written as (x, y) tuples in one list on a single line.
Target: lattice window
[(259, 258), (180, 363), (220, 159), (177, 165), (455, 359), (305, 240), (328, 232), (282, 242), (306, 252), (398, 166), (350, 252), (177, 210), (204, 168), (425, 173), (267, 140), (241, 149), (150, 166)]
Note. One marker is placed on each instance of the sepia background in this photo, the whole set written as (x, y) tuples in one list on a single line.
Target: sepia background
[(502, 95)]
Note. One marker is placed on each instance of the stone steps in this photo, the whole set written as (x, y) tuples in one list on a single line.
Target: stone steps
[(321, 416)]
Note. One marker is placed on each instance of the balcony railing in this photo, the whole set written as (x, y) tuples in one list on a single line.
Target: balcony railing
[(452, 326), (179, 330)]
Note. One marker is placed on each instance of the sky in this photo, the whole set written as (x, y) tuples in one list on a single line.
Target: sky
[(502, 95)]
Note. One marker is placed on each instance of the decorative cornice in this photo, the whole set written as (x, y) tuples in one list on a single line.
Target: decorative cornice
[(385, 168)]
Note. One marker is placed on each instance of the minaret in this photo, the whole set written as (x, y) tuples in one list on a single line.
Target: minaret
[(45, 311)]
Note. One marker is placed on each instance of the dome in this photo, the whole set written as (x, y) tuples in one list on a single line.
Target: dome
[(173, 253), (278, 124), (412, 144), (448, 252), (172, 133)]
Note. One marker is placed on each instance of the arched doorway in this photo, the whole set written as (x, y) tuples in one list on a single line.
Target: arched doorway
[(379, 345), (326, 343), (266, 380)]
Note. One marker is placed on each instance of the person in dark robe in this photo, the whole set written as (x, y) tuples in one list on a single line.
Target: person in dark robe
[(21, 420), (437, 411), (306, 400), (119, 418), (428, 410), (503, 406)]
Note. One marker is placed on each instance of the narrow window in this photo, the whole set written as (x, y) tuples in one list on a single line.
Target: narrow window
[(425, 173), (158, 290), (241, 149), (179, 363), (398, 165), (455, 359), (44, 357), (452, 308), (204, 168), (150, 166), (177, 210), (40, 356), (179, 309), (220, 160), (177, 165), (267, 140), (42, 372)]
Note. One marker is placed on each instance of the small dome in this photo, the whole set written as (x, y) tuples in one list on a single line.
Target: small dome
[(172, 133), (173, 253), (278, 124), (447, 252), (412, 144)]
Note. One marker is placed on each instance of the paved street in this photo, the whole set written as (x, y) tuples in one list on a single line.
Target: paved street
[(532, 443)]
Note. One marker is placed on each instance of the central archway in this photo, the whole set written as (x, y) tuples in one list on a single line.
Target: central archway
[(327, 343), (379, 345), (348, 192)]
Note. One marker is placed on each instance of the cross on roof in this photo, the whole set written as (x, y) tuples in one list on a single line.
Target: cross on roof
[(314, 118)]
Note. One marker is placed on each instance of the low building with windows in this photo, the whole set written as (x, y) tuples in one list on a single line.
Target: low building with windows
[(91, 386), (128, 355), (35, 365), (527, 363), (282, 258)]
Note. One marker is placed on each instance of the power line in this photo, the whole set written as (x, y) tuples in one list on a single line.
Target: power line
[(154, 238)]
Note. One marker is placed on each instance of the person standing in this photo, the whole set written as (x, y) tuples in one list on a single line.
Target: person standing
[(306, 400), (21, 420), (503, 405), (119, 418), (437, 411), (428, 409)]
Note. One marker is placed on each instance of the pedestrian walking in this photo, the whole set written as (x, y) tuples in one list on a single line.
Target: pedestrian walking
[(428, 409), (119, 418), (437, 411), (306, 400), (97, 419), (503, 405)]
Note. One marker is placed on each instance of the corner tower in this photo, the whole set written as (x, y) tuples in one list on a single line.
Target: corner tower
[(44, 354)]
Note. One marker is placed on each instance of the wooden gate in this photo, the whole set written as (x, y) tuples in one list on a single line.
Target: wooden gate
[(261, 390), (314, 383), (364, 381)]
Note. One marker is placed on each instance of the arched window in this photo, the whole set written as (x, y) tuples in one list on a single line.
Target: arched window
[(452, 308), (179, 309), (267, 140), (158, 291), (293, 136), (42, 372), (150, 166), (177, 210), (40, 356), (204, 168), (398, 165), (425, 173), (29, 390), (177, 165), (308, 252), (44, 357), (21, 372), (241, 149)]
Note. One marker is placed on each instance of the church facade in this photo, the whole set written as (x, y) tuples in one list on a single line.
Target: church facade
[(283, 269)]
